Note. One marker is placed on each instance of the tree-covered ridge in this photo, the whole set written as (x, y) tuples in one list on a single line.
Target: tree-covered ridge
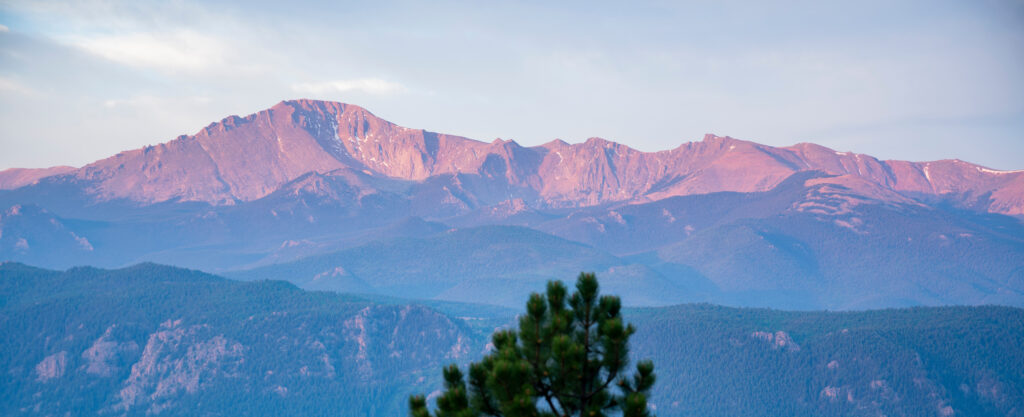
[(150, 338), (154, 339), (934, 361)]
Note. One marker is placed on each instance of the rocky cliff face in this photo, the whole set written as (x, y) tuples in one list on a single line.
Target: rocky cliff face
[(245, 158)]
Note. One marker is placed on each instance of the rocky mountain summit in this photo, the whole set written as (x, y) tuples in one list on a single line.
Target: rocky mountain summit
[(241, 159)]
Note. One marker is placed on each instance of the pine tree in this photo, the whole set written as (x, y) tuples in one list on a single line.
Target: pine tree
[(567, 359)]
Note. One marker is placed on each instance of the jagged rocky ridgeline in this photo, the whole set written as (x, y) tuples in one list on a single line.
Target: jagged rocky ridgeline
[(246, 158)]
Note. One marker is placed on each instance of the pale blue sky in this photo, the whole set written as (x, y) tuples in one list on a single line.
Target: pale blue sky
[(916, 80)]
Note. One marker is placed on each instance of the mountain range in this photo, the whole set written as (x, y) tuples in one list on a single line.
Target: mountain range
[(414, 246), (244, 159), (329, 196)]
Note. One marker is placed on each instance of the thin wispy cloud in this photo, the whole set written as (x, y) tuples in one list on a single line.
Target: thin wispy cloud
[(186, 51), (10, 86), (153, 102), (365, 85), (4, 29)]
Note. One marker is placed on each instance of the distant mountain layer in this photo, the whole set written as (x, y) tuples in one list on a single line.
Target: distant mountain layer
[(246, 158), (805, 244), (20, 177), (777, 248), (155, 340), (329, 197), (493, 264)]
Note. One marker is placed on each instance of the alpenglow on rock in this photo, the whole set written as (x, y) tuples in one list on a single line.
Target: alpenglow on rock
[(245, 158)]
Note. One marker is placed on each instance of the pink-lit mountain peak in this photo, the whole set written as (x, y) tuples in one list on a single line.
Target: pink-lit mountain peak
[(246, 158)]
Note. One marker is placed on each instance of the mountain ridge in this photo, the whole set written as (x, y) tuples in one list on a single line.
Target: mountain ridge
[(242, 159)]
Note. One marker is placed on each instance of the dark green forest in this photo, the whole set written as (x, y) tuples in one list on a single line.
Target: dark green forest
[(719, 361), (151, 339)]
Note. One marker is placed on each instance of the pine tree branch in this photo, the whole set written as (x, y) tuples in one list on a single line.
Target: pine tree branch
[(584, 397)]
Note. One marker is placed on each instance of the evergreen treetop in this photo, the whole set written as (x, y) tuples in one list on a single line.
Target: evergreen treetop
[(568, 358)]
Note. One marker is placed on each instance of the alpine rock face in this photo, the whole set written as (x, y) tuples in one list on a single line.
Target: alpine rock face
[(241, 159)]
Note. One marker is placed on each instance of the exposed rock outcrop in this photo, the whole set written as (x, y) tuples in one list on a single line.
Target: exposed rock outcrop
[(107, 354), (52, 367), (779, 340), (179, 359)]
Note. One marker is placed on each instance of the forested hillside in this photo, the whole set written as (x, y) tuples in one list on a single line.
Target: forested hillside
[(156, 340), (936, 361)]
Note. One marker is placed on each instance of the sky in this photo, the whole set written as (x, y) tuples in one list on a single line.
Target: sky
[(912, 80)]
